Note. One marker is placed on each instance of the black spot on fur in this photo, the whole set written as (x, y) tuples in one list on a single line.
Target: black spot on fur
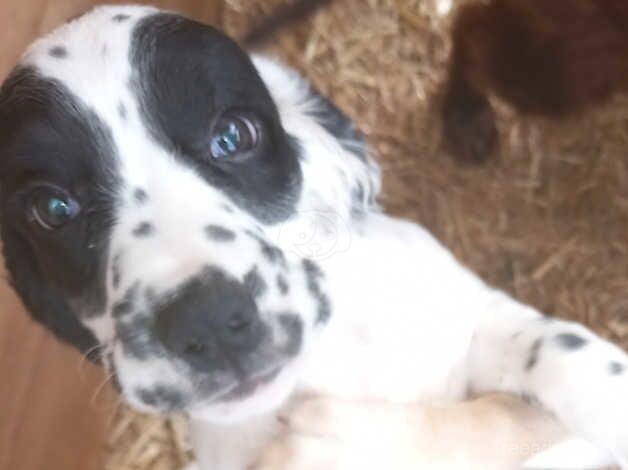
[(127, 304), (270, 252), (136, 338), (140, 196), (616, 368), (116, 274), (122, 111), (254, 282), (219, 234), (535, 350), (293, 328), (58, 52), (282, 284), (314, 275), (121, 17), (570, 341), (144, 229), (359, 200), (162, 397)]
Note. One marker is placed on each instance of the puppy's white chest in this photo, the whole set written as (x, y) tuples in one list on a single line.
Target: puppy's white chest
[(398, 332)]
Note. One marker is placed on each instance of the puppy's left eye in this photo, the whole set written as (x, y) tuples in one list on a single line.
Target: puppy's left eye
[(53, 208), (234, 136)]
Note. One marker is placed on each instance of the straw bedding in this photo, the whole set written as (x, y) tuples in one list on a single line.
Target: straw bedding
[(547, 220)]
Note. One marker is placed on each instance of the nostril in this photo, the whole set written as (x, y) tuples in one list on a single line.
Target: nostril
[(195, 347), (239, 323)]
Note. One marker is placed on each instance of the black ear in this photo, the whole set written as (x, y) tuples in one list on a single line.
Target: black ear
[(338, 124), (43, 302)]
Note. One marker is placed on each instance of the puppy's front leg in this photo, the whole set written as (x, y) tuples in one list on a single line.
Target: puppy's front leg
[(576, 375), (496, 432)]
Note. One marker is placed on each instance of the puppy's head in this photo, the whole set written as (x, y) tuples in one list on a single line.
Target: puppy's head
[(154, 182)]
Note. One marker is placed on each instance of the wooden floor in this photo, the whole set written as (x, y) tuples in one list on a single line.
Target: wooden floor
[(49, 419)]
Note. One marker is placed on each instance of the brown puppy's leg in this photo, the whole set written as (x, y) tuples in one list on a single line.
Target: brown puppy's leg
[(495, 432), (468, 121)]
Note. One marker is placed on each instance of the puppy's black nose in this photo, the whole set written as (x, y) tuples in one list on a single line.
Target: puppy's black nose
[(212, 322)]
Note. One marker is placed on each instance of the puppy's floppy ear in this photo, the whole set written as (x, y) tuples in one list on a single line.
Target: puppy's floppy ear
[(43, 302), (338, 124)]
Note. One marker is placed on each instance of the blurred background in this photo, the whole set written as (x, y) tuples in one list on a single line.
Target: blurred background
[(547, 220)]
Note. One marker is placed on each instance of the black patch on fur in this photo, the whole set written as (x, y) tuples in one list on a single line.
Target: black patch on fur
[(254, 282), (570, 341), (535, 350), (144, 229), (270, 252), (122, 111), (616, 368), (293, 327), (219, 234), (45, 134), (282, 284), (120, 17), (116, 273), (180, 96), (58, 52), (127, 304), (314, 275), (358, 200), (162, 397), (135, 336), (334, 121), (140, 196)]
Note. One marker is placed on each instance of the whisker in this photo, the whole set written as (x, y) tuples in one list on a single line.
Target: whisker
[(99, 390)]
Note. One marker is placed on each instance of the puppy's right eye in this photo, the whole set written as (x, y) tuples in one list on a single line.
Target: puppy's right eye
[(234, 136), (52, 208)]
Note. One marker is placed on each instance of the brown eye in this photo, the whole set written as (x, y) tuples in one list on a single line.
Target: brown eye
[(53, 208), (233, 136)]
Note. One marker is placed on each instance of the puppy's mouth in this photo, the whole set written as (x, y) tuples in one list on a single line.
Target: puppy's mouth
[(249, 387)]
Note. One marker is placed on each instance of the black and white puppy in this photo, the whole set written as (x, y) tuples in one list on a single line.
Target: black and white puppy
[(208, 221)]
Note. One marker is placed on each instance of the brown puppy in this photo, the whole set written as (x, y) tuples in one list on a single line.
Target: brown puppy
[(547, 58)]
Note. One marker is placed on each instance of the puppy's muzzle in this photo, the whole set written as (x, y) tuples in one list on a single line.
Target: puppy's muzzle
[(211, 325)]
